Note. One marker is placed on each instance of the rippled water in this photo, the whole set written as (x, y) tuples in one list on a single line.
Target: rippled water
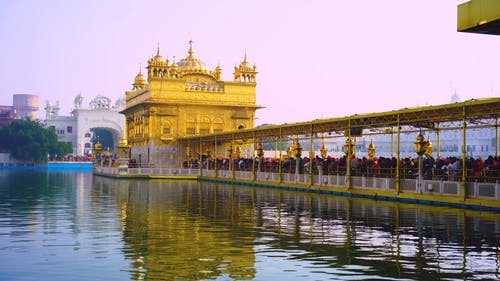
[(73, 226)]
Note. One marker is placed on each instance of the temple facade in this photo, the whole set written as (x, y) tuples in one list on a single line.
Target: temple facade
[(185, 98)]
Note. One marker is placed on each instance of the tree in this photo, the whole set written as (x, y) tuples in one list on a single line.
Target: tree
[(29, 140)]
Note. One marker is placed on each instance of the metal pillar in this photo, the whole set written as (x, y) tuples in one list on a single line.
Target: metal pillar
[(438, 136), (311, 156), (398, 158), (280, 169), (231, 157), (348, 159), (200, 158), (215, 156), (464, 153), (496, 138), (253, 158)]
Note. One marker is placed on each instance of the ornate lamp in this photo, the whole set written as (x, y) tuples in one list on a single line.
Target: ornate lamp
[(428, 148), (238, 151), (420, 149), (371, 150), (296, 149), (420, 145), (348, 147), (98, 151), (323, 151), (260, 150)]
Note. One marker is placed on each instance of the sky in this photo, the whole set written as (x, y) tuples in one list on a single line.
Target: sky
[(316, 59)]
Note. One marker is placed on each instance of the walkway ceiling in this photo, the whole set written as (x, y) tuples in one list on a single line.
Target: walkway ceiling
[(425, 117)]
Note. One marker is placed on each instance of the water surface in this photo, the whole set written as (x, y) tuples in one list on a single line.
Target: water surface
[(74, 226)]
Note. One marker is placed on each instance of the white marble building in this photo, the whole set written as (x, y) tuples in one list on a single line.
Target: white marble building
[(99, 120)]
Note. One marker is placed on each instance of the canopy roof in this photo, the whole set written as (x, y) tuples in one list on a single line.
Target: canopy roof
[(426, 117)]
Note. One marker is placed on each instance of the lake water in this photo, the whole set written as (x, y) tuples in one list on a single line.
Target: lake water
[(76, 226)]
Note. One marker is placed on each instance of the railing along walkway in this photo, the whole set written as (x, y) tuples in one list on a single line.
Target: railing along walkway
[(441, 187)]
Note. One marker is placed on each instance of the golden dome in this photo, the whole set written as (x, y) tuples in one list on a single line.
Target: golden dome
[(139, 82), (139, 79), (191, 62)]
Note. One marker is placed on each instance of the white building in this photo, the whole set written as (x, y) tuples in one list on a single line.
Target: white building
[(99, 121)]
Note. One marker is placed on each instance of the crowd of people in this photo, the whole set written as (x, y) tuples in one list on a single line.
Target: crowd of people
[(71, 158), (447, 168)]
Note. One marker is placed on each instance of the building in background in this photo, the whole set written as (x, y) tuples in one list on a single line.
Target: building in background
[(26, 106), (99, 121), (7, 114)]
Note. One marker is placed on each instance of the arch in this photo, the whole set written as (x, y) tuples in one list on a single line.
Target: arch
[(110, 123)]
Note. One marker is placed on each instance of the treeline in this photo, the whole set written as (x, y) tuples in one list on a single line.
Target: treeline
[(29, 140)]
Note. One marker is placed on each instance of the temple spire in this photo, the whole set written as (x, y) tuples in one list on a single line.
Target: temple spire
[(190, 52)]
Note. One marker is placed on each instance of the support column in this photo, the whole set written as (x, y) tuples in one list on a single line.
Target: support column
[(200, 158), (438, 136), (464, 153), (253, 158), (215, 156), (181, 151), (232, 161), (398, 159), (392, 143), (311, 156), (280, 169), (348, 158), (496, 138)]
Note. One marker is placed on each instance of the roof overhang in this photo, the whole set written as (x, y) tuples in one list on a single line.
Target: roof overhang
[(479, 16), (427, 117)]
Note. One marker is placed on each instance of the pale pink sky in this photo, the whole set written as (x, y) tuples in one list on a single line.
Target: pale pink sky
[(316, 59)]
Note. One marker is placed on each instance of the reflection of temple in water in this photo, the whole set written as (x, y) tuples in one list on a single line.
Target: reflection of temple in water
[(180, 230), (200, 230)]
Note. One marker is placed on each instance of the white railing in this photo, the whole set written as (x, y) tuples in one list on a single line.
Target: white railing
[(476, 190)]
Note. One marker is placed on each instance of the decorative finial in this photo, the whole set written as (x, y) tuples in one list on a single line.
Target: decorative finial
[(158, 49), (245, 58), (140, 68), (190, 48)]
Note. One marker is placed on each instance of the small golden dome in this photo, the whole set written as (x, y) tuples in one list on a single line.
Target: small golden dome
[(191, 62), (139, 79)]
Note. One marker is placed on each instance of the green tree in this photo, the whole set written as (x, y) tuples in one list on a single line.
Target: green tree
[(29, 140)]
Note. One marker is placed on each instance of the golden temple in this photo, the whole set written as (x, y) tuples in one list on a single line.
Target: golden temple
[(183, 99)]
